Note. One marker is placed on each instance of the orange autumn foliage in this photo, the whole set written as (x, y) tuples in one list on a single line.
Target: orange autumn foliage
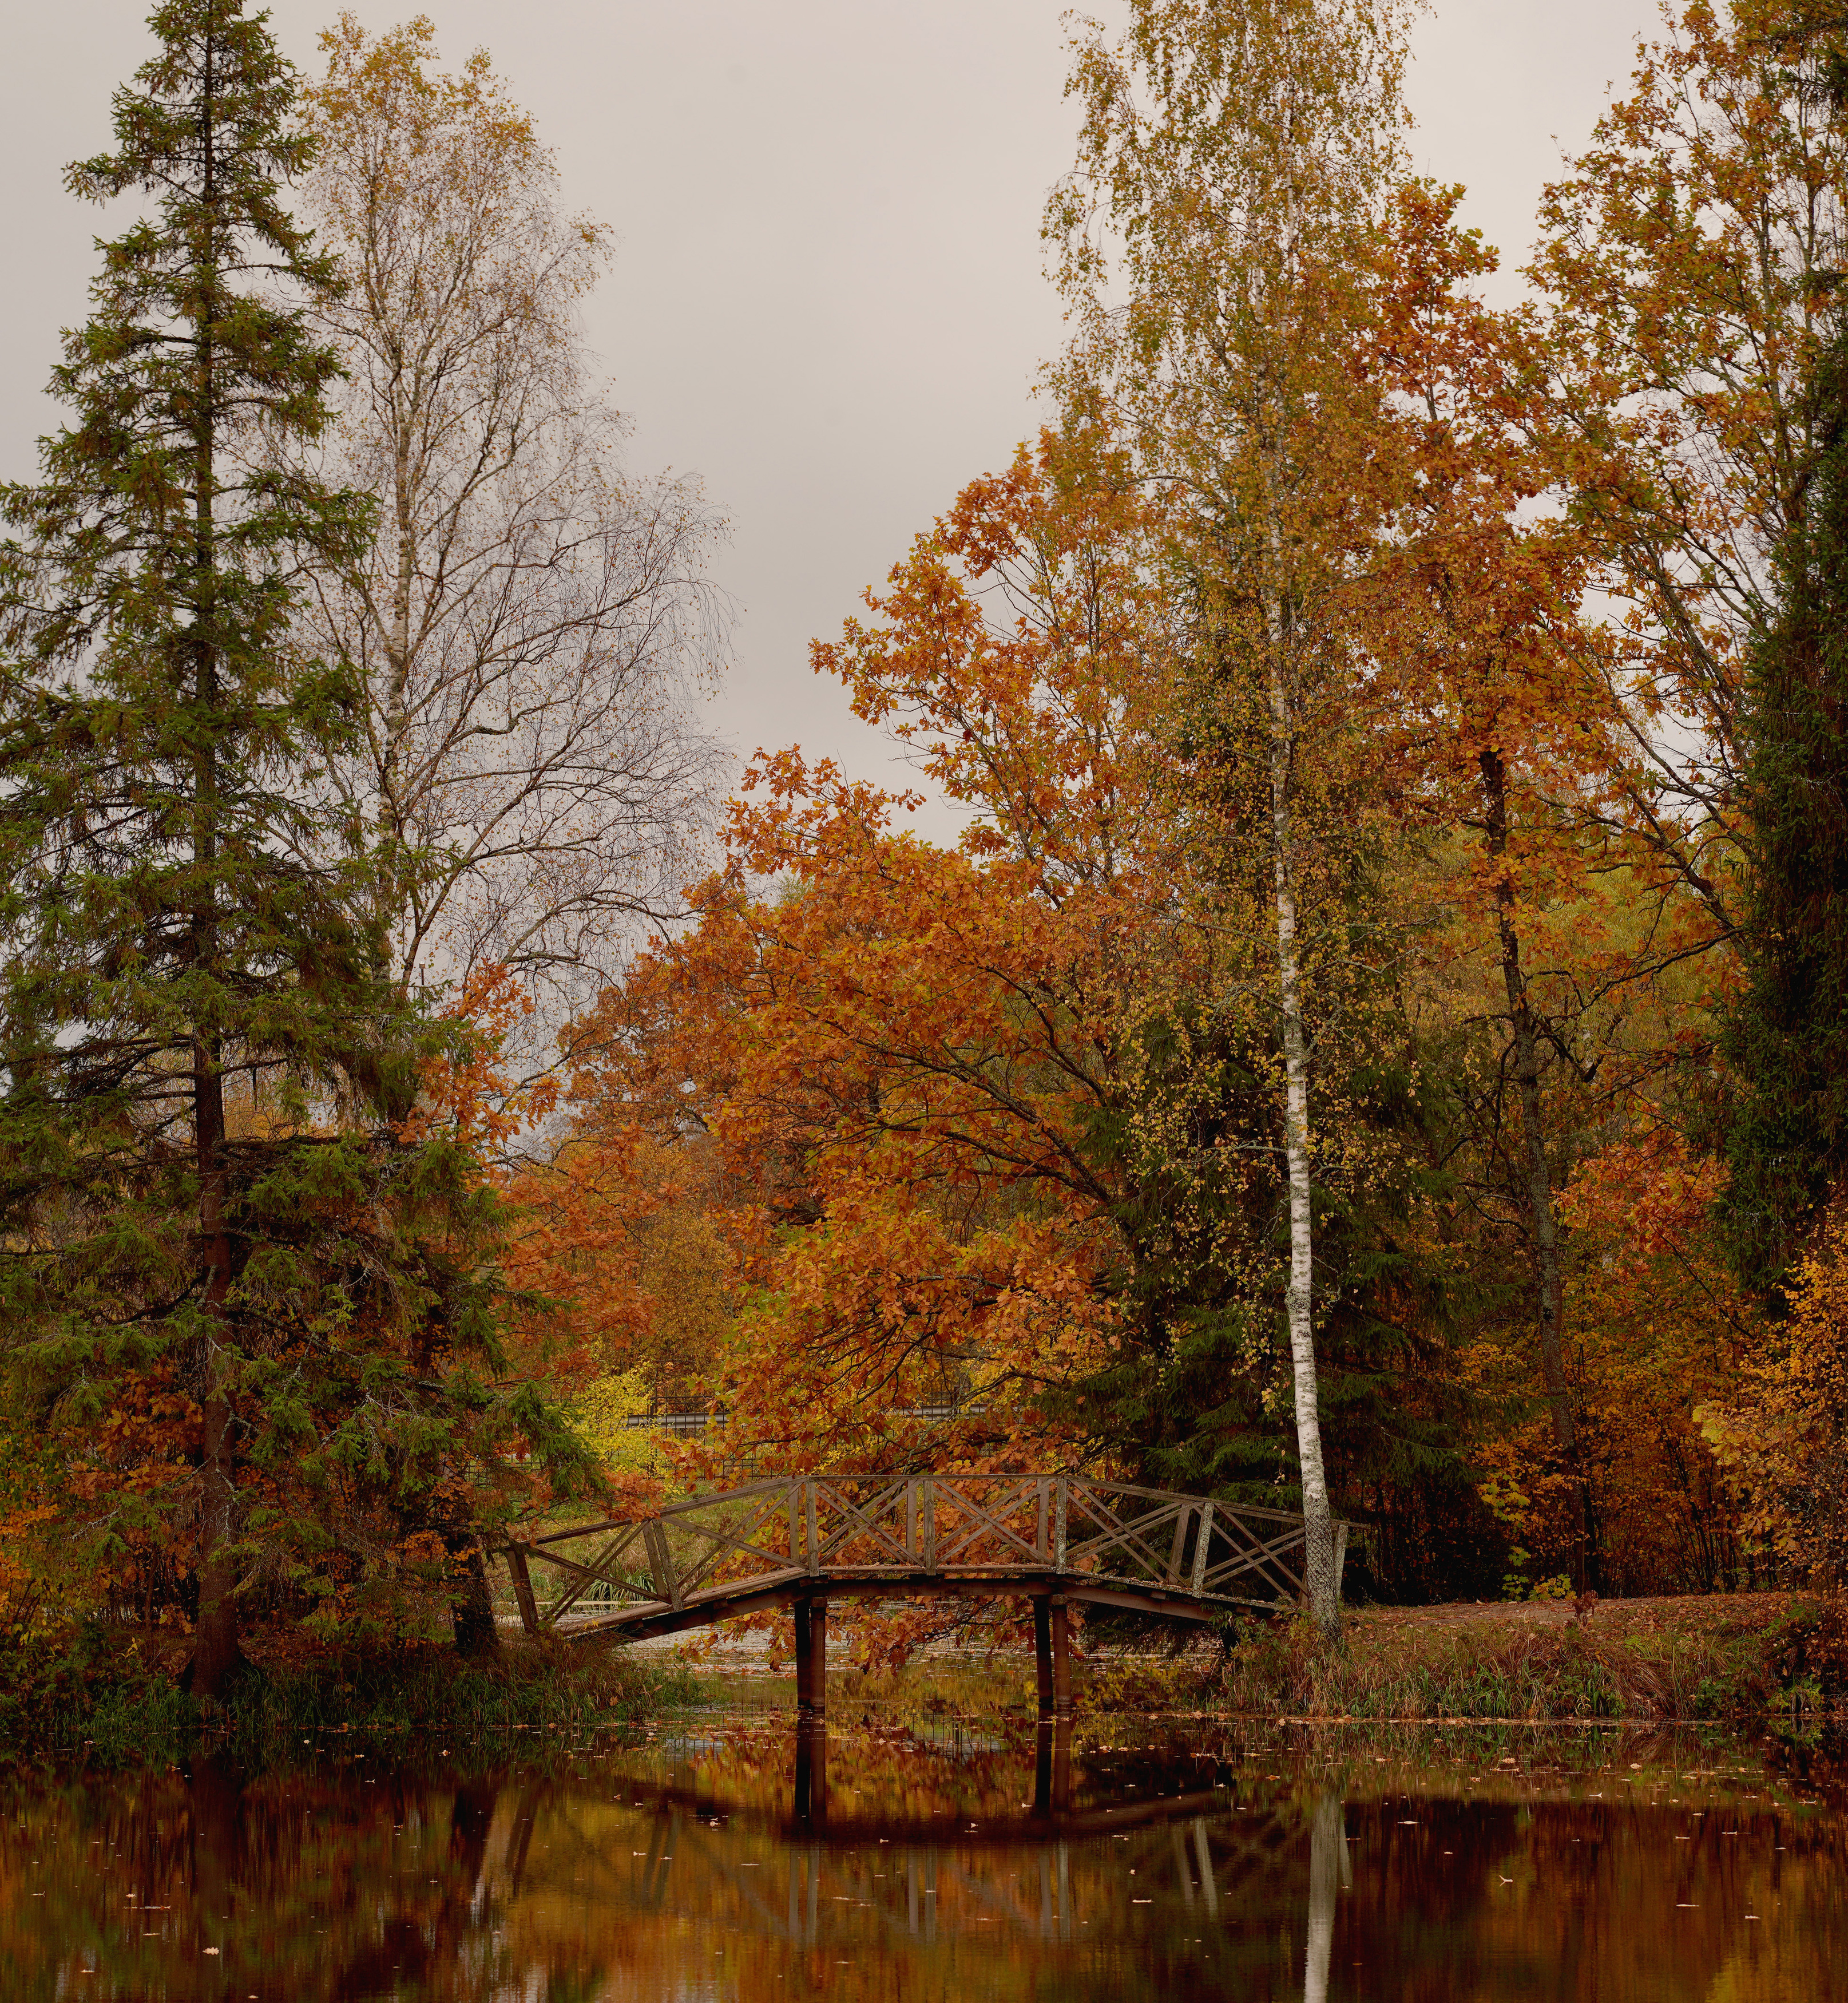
[(1781, 1429), (897, 1052)]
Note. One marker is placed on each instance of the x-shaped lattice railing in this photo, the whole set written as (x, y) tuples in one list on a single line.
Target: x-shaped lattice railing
[(699, 1557)]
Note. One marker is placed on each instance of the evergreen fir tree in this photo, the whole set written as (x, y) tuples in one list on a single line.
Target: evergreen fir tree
[(1787, 1040), (261, 1317)]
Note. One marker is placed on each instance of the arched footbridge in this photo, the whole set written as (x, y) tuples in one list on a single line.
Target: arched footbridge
[(801, 1541)]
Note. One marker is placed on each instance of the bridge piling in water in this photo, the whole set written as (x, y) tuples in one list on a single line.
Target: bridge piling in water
[(1051, 1653), (1052, 1766), (811, 1658)]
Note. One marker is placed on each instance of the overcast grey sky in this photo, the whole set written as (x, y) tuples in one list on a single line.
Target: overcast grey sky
[(828, 300)]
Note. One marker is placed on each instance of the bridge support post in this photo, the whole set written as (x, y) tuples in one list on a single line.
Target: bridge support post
[(522, 1588), (1051, 1653), (1059, 1637), (1043, 1651), (811, 1659)]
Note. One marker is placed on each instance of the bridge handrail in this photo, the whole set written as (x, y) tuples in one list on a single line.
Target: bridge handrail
[(1058, 1532)]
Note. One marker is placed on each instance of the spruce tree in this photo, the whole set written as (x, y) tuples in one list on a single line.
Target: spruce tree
[(259, 1314), (1787, 1039)]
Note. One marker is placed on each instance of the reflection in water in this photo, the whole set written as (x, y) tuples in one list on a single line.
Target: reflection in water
[(965, 1868), (1052, 1765), (1328, 1867), (811, 1791)]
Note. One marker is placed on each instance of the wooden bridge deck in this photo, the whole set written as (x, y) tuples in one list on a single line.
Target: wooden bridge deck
[(805, 1540)]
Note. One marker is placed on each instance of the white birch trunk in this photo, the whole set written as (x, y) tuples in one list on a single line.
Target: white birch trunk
[(1324, 1588)]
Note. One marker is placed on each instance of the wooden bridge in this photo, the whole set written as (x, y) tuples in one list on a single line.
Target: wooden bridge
[(803, 1540)]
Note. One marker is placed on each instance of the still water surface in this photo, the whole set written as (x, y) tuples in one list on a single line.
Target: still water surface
[(1152, 1859)]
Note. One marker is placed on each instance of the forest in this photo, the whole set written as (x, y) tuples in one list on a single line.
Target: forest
[(1377, 1049)]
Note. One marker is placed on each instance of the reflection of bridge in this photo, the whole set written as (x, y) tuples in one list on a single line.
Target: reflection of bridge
[(1172, 1857), (854, 1883), (802, 1540)]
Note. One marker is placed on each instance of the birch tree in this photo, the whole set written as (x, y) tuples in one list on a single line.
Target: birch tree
[(1215, 243), (530, 618)]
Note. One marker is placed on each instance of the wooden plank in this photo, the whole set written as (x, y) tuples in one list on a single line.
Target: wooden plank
[(1128, 1536), (1242, 1547), (1106, 1522), (586, 1576), (607, 1554), (584, 1530), (1266, 1564), (1017, 1498), (727, 1542), (728, 1602), (1263, 1560), (1173, 1495), (661, 1563), (522, 1588), (772, 1485), (882, 1504), (897, 1530), (1242, 1542), (1202, 1545), (598, 1560)]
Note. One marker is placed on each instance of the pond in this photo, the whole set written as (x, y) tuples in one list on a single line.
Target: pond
[(728, 1857)]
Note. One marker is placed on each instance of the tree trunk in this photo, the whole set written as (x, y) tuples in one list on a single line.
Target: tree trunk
[(397, 888), (1536, 1177), (216, 1652), (1325, 1598), (471, 1609)]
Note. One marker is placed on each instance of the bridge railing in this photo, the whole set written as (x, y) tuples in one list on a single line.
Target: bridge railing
[(1100, 1539)]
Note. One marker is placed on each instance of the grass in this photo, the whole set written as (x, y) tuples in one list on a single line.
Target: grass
[(95, 1694), (108, 1696), (1719, 1659)]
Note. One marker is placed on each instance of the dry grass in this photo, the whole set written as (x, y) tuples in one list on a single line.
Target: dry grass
[(1725, 1656)]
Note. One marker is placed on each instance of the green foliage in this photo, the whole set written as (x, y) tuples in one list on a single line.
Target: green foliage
[(89, 1695), (72, 1694), (252, 1299), (1787, 1039), (401, 1700), (1807, 1651), (1196, 1394)]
